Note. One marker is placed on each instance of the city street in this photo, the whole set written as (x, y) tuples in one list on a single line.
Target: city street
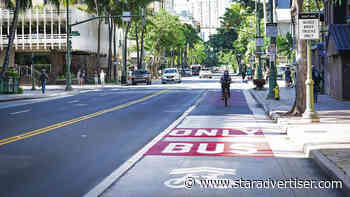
[(68, 146), (69, 159)]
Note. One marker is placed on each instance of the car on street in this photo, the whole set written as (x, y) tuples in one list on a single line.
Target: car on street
[(186, 72), (141, 76), (171, 75), (205, 73)]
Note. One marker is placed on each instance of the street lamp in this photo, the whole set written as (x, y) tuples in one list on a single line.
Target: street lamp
[(68, 48), (125, 17)]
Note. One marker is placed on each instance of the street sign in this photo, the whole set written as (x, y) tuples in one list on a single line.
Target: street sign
[(126, 16), (309, 26), (259, 41), (251, 59), (272, 48), (271, 30), (75, 33)]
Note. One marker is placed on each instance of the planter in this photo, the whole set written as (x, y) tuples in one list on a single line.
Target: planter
[(259, 83), (9, 85)]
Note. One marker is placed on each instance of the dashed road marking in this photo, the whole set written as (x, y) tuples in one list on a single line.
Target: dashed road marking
[(75, 120), (20, 112)]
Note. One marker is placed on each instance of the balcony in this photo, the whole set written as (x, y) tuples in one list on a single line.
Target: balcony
[(41, 42), (34, 15)]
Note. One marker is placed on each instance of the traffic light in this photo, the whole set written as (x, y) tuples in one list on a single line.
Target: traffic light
[(199, 26)]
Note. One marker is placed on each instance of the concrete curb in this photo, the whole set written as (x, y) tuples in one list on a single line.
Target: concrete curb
[(322, 161), (264, 106), (331, 170), (18, 98), (272, 115)]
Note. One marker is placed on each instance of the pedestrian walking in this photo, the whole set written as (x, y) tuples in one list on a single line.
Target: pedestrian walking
[(250, 73), (267, 74), (243, 72), (102, 77), (78, 76), (294, 78), (316, 77), (43, 78), (96, 78), (82, 77), (86, 78), (287, 77)]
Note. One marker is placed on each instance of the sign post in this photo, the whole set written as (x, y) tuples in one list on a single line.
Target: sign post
[(308, 24), (272, 32)]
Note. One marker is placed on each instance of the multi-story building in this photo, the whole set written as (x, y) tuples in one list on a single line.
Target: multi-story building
[(168, 5), (208, 13), (283, 17), (41, 39)]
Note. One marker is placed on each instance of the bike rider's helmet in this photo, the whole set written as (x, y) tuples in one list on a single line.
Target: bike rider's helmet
[(226, 73)]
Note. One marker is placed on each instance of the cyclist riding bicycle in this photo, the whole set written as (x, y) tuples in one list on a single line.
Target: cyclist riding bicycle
[(225, 82)]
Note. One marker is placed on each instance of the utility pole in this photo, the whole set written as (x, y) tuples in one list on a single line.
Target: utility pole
[(68, 48), (272, 76), (258, 74)]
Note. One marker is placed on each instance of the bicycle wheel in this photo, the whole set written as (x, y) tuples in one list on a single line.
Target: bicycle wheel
[(226, 97)]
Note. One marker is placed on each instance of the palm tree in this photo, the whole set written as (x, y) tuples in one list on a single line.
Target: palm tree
[(98, 7), (134, 7)]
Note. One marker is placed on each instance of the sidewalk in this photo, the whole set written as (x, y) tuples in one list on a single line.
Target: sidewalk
[(51, 91), (327, 142)]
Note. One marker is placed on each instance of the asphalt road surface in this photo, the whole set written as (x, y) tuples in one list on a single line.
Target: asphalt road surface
[(68, 160), (66, 146)]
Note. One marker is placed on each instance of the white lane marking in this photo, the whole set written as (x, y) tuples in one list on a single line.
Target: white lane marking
[(172, 111), (74, 101), (109, 180), (10, 104), (81, 104), (19, 112)]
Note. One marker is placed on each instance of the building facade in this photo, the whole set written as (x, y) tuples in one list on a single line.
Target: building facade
[(208, 13), (41, 39), (337, 50)]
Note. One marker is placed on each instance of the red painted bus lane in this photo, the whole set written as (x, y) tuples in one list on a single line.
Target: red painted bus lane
[(212, 142)]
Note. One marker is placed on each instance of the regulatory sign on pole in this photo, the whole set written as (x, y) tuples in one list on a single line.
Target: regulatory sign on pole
[(126, 16), (309, 26), (272, 48), (259, 41), (271, 30)]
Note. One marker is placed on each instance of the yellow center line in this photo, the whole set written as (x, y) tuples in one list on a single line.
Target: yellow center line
[(75, 120)]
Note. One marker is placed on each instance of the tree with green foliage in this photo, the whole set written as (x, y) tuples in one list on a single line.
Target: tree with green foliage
[(165, 33)]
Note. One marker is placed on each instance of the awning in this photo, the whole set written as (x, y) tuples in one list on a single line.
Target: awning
[(341, 36)]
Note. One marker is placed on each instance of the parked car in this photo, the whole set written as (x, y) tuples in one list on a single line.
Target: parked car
[(171, 75), (205, 73), (141, 76)]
